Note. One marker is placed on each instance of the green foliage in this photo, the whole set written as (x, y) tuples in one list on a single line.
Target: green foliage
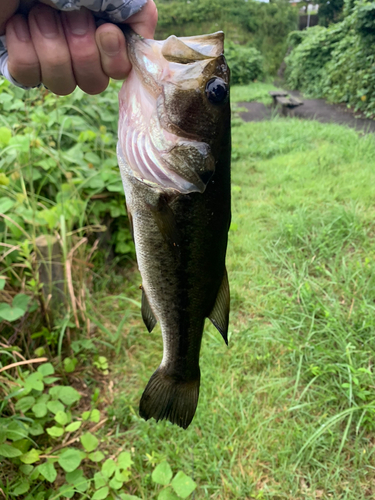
[(40, 451), (59, 180), (181, 485), (264, 26), (246, 63), (330, 11), (337, 62)]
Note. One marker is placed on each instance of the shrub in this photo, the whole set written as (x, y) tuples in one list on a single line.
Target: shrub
[(337, 62), (246, 63), (59, 181), (265, 26)]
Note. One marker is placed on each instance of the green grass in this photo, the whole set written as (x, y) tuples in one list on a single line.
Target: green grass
[(253, 92), (288, 410)]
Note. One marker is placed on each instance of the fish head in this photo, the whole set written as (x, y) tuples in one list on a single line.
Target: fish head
[(175, 105)]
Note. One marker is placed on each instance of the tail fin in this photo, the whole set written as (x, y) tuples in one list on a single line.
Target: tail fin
[(168, 398)]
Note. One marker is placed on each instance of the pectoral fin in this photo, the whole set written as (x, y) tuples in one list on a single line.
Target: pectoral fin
[(219, 315), (166, 222), (147, 314)]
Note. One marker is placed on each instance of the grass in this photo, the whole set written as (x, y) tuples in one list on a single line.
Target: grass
[(256, 91), (287, 411)]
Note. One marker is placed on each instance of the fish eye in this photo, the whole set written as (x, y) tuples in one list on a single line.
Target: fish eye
[(217, 91)]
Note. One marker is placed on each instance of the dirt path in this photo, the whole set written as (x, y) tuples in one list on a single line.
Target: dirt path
[(312, 109)]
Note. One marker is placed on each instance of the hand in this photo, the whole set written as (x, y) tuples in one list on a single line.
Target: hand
[(65, 49)]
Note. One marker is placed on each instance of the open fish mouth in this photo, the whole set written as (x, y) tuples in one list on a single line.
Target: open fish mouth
[(158, 150)]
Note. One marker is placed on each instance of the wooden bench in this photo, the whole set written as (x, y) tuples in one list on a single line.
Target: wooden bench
[(286, 101)]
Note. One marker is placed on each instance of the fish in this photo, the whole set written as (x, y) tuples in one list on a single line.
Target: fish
[(174, 153)]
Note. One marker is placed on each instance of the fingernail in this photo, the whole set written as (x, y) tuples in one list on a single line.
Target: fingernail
[(46, 19), (78, 22), (110, 43), (22, 31)]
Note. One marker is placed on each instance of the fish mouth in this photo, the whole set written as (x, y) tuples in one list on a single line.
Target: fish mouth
[(156, 150)]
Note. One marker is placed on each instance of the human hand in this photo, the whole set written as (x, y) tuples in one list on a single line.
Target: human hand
[(65, 49)]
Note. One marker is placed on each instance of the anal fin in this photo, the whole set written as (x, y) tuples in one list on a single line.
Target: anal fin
[(147, 314), (219, 315)]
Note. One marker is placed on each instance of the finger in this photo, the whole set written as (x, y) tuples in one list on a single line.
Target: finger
[(79, 27), (53, 53), (23, 61), (7, 9), (112, 48), (144, 22)]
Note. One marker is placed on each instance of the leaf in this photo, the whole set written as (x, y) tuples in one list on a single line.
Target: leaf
[(40, 410), (89, 441), (7, 451), (21, 301), (74, 426), (168, 494), (5, 135), (124, 460), (61, 417), (48, 471), (36, 429), (46, 369), (55, 431), (34, 381), (55, 406), (115, 484), (100, 494), (4, 180), (125, 496), (95, 416), (70, 364), (6, 204), (30, 457), (2, 278), (122, 475), (50, 380), (162, 474), (183, 485), (96, 456), (16, 431), (25, 404), (21, 488), (68, 395), (70, 459), (26, 469), (108, 468), (65, 491), (10, 313), (99, 480)]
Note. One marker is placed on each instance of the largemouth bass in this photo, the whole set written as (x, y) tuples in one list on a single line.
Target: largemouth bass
[(174, 156)]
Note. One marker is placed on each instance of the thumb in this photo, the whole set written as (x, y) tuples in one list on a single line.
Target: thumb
[(8, 8)]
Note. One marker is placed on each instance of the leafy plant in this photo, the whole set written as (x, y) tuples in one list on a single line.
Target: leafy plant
[(43, 435), (337, 62), (61, 199), (246, 63), (264, 26)]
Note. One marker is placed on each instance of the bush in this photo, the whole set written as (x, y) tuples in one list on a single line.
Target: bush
[(337, 62), (265, 26), (59, 182), (246, 63)]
